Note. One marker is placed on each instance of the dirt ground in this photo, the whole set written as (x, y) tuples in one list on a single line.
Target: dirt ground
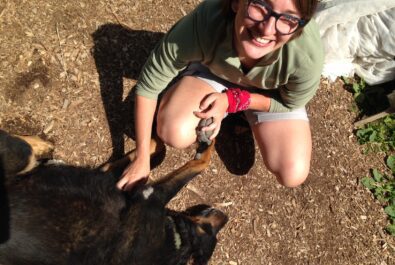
[(67, 71)]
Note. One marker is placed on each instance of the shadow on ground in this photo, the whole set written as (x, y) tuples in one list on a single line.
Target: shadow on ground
[(120, 52)]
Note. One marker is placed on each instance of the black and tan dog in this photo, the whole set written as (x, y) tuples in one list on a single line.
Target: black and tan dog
[(60, 214)]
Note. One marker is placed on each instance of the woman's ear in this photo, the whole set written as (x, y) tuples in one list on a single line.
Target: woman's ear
[(235, 5)]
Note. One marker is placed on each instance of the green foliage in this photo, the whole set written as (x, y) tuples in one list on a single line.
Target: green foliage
[(378, 136), (383, 188), (368, 100)]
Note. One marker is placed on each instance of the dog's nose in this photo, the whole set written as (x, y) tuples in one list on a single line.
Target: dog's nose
[(220, 217), (214, 217)]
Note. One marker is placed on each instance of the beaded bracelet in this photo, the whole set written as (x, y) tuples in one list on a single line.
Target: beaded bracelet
[(238, 100)]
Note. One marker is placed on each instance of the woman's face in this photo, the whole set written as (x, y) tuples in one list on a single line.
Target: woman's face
[(253, 40)]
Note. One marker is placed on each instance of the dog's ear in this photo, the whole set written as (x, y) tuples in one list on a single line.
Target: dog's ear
[(208, 220)]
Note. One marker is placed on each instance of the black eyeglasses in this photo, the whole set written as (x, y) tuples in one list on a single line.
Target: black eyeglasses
[(260, 11)]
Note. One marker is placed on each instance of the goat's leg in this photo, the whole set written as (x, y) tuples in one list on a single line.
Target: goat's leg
[(156, 147), (167, 187), (41, 149), (21, 153)]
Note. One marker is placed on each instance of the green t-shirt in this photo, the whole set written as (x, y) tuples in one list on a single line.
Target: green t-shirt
[(206, 36)]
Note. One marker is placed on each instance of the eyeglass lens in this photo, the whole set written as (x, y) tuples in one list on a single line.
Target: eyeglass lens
[(260, 11)]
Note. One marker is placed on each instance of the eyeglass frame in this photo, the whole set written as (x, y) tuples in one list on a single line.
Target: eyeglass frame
[(272, 13)]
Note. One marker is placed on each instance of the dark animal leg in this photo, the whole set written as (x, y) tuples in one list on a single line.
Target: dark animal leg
[(41, 149), (21, 153), (156, 147), (167, 187)]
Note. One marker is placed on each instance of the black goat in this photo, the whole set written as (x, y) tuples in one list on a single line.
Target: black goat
[(60, 214)]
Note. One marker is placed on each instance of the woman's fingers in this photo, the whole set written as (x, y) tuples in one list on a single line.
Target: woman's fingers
[(128, 182), (135, 173), (201, 115), (130, 185), (206, 103), (215, 126), (121, 183), (126, 178), (213, 106), (215, 132), (211, 127)]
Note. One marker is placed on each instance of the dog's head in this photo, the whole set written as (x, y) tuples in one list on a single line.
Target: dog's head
[(195, 231)]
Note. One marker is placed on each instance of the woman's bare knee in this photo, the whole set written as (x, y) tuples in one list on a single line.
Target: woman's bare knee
[(293, 174), (176, 123), (177, 137)]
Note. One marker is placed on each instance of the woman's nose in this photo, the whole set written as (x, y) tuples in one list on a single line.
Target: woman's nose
[(268, 27)]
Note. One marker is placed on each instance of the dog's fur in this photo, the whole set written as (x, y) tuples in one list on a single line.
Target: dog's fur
[(60, 214)]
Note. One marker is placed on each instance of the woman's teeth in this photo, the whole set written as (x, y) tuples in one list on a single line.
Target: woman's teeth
[(261, 40)]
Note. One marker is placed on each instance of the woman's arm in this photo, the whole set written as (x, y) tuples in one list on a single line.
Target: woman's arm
[(259, 102), (139, 168)]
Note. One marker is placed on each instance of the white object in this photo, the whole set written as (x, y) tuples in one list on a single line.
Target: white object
[(359, 37)]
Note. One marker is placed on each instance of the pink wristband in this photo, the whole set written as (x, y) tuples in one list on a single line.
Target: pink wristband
[(238, 100)]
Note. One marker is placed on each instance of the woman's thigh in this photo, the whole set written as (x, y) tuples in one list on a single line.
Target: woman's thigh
[(176, 123), (285, 146)]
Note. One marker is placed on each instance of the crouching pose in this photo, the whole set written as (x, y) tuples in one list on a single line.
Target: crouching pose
[(60, 214), (260, 57)]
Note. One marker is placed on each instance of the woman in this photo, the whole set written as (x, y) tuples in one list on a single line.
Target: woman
[(263, 57)]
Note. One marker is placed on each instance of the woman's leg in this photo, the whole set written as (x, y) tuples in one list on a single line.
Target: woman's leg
[(176, 123), (285, 146)]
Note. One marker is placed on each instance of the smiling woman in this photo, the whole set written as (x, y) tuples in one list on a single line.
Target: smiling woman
[(263, 58)]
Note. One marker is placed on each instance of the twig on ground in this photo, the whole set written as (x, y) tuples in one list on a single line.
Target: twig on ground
[(62, 62), (4, 9), (118, 20), (383, 238), (196, 191)]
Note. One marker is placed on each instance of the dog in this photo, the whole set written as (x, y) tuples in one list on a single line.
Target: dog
[(62, 214)]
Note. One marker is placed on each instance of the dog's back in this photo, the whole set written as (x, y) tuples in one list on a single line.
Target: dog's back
[(56, 209), (60, 214)]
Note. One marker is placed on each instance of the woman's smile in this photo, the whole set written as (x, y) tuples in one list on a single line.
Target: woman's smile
[(253, 40), (258, 40)]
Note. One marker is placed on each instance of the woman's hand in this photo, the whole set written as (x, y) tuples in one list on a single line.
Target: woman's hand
[(215, 106), (137, 172), (139, 169)]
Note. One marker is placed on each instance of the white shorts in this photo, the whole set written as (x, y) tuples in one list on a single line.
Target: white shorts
[(253, 117)]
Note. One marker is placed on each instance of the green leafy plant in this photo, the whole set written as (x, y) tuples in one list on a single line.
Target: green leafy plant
[(378, 136), (368, 99), (357, 86), (383, 188)]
